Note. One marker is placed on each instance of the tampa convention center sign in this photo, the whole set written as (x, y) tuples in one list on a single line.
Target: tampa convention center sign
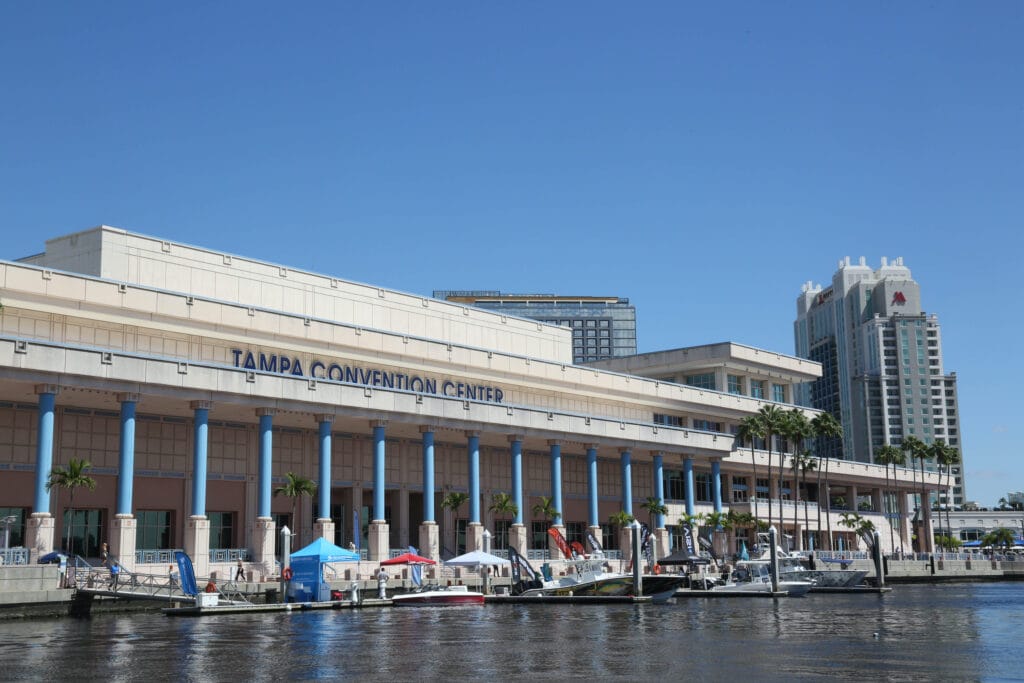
[(371, 377)]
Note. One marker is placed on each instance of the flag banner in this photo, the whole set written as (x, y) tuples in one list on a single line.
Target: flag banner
[(560, 541), (187, 573), (688, 538), (647, 546), (416, 574), (595, 545), (521, 565), (577, 549)]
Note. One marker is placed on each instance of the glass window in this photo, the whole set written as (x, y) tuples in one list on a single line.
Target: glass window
[(779, 393), (222, 530), (702, 482), (153, 529), (735, 384), (757, 388), (12, 531), (703, 381)]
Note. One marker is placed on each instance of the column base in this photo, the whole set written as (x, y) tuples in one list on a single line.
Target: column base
[(197, 543), (39, 535), (474, 537), (430, 541), (324, 528), (263, 547), (519, 539), (379, 533), (661, 542), (122, 540)]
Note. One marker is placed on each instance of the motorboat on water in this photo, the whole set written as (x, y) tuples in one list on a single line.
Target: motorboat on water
[(754, 576), (591, 577), (796, 567), (439, 596)]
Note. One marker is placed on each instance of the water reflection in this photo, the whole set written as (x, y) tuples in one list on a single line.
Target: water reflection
[(915, 633)]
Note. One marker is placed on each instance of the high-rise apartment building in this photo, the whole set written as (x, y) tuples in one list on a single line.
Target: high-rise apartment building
[(881, 357), (602, 326)]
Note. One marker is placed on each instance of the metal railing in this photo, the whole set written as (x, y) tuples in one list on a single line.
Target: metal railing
[(14, 556)]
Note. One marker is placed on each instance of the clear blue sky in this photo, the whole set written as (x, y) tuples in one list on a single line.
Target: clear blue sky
[(702, 160)]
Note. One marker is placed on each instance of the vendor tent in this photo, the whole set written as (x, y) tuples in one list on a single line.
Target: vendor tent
[(307, 565)]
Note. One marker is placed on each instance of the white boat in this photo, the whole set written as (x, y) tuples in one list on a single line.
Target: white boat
[(589, 577), (795, 566), (754, 576), (439, 596)]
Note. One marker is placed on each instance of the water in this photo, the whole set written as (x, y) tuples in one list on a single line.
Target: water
[(957, 632)]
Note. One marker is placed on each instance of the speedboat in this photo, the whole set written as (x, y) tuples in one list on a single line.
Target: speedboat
[(589, 577), (439, 596), (795, 566), (754, 576)]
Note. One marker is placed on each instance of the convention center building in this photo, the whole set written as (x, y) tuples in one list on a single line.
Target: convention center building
[(197, 383)]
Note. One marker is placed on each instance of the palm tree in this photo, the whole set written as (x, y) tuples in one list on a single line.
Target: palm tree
[(72, 477), (751, 429), (885, 456), (917, 449), (946, 456), (796, 428), (1001, 537), (454, 500), (1002, 503), (620, 519), (654, 506), (502, 504), (772, 418), (826, 426), (807, 464), (546, 509), (295, 487)]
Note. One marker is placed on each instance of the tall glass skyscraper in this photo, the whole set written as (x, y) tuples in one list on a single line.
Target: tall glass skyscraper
[(602, 326), (881, 357)]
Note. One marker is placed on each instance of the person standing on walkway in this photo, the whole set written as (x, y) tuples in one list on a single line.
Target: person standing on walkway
[(382, 584), (240, 571)]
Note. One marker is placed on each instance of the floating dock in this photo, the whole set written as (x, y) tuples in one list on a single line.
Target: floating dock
[(850, 590), (692, 593), (251, 608)]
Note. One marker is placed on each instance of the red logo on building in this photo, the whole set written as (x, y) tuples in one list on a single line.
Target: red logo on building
[(898, 299)]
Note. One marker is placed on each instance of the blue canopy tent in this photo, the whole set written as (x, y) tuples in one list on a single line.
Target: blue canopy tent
[(308, 569)]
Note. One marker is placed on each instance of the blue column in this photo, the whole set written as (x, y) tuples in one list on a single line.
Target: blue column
[(200, 424), (517, 478), (473, 448), (265, 458), (659, 488), (556, 481), (627, 481), (44, 449), (716, 483), (428, 475), (378, 472), (688, 484), (126, 461), (323, 488), (592, 486)]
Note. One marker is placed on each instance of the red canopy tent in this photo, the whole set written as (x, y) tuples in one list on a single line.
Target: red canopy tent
[(409, 558)]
